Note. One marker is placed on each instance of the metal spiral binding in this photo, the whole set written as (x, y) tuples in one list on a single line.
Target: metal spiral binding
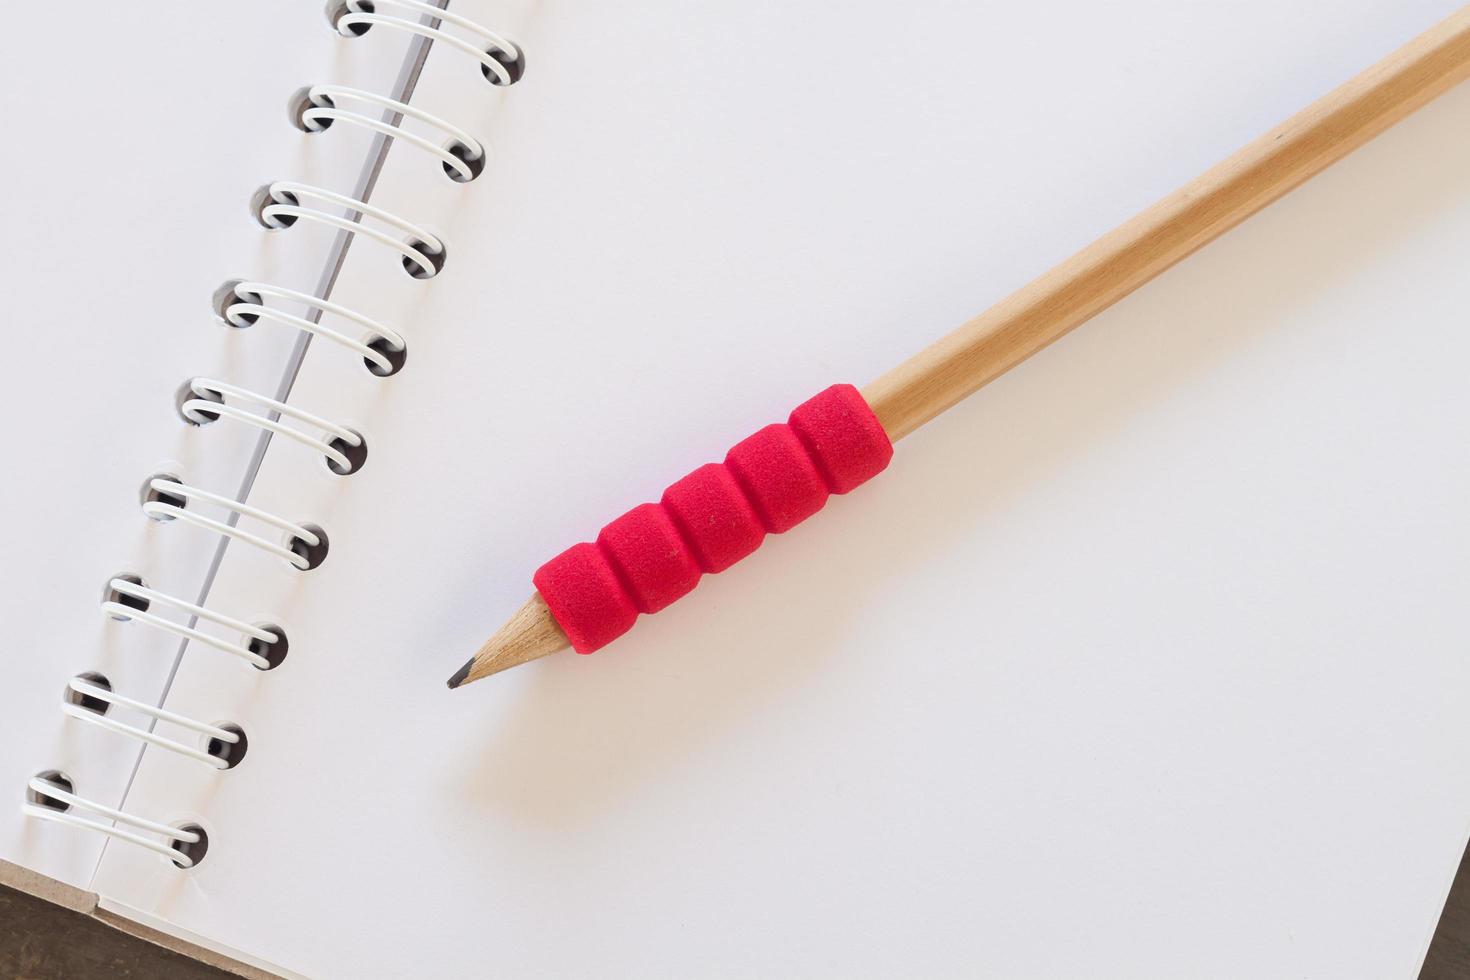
[(463, 159), (50, 795), (281, 207), (91, 705), (501, 60), (241, 304), (51, 799), (164, 510), (210, 400), (140, 611)]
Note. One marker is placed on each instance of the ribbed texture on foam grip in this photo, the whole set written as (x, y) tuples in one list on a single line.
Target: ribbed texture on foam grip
[(714, 517)]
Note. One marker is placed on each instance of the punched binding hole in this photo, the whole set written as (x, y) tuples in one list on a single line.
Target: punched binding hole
[(263, 198), (195, 415), (436, 260), (337, 9), (356, 455), (230, 753), (395, 358), (274, 651), (62, 781), (194, 851), (88, 701), (467, 156), (314, 554), (121, 598), (151, 495), (227, 296), (515, 67), (300, 103)]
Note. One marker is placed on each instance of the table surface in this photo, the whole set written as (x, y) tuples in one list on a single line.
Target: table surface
[(1449, 953), (42, 941)]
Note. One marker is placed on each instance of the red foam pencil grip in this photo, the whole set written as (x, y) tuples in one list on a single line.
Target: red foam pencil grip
[(712, 518)]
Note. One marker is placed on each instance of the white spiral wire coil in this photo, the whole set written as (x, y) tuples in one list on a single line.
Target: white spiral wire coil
[(58, 792), (237, 314), (80, 712), (53, 799), (356, 16), (285, 198), (162, 510), (323, 109), (122, 611), (193, 409)]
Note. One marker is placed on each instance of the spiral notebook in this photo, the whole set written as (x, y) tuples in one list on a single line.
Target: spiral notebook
[(328, 327)]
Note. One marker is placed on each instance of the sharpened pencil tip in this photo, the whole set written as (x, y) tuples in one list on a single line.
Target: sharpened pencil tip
[(461, 674), (531, 633)]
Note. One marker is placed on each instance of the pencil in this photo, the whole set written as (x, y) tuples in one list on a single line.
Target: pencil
[(591, 593)]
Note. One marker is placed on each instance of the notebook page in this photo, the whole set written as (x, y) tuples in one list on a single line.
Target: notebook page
[(1155, 641), (136, 138)]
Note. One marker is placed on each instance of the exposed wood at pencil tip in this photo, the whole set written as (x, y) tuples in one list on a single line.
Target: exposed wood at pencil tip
[(530, 634), (1129, 256)]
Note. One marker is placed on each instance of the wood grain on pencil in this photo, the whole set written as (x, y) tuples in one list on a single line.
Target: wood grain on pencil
[(1129, 256), (529, 634), (1046, 309)]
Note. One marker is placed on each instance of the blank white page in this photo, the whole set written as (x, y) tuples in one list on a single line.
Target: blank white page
[(1148, 661), (136, 136)]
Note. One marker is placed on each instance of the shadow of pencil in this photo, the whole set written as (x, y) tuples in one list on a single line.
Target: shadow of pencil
[(580, 735)]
